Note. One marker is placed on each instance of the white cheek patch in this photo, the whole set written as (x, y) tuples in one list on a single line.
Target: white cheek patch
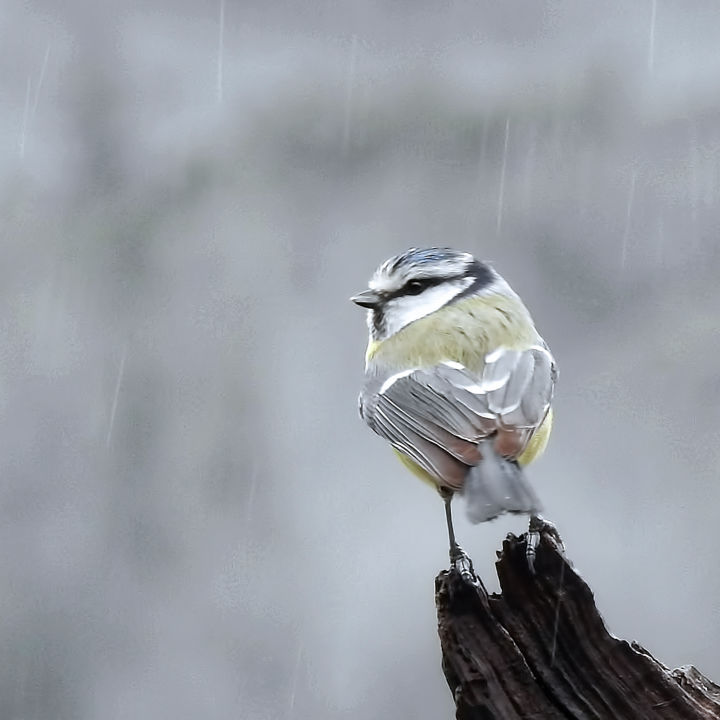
[(403, 310)]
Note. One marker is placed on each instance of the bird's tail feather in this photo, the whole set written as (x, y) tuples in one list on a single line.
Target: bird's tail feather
[(496, 486)]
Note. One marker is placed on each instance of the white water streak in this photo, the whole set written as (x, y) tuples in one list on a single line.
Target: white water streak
[(221, 51), (293, 689), (43, 69), (651, 40), (501, 192), (26, 118), (628, 219), (31, 107), (118, 383)]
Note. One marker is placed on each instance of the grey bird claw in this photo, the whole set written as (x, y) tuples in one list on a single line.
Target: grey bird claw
[(539, 526), (460, 562)]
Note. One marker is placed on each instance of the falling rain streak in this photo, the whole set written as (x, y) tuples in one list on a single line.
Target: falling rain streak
[(43, 69), (651, 40), (116, 396), (213, 492), (628, 220), (220, 51), (294, 682), (25, 118), (28, 111), (501, 191)]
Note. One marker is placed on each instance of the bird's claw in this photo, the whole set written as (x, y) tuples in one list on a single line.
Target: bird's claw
[(461, 562), (539, 526)]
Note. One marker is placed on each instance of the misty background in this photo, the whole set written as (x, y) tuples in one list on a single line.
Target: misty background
[(194, 522)]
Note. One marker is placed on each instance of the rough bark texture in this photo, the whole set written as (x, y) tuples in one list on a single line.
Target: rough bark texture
[(541, 650)]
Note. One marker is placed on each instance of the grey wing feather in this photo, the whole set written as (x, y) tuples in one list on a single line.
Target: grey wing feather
[(438, 415), (499, 365), (523, 402), (536, 399), (406, 423), (506, 398)]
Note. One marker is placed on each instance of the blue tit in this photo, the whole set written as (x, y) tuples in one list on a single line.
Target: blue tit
[(458, 381)]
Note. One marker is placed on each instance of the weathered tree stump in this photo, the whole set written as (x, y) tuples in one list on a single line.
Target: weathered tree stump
[(541, 650)]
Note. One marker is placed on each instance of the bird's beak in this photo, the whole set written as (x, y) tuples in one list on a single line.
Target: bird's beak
[(367, 298)]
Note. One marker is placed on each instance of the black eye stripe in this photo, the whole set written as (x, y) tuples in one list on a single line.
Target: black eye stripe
[(415, 287)]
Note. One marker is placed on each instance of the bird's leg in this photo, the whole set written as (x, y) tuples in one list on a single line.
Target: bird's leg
[(538, 526), (458, 558)]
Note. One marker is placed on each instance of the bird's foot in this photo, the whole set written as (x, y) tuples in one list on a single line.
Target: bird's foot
[(539, 526), (461, 562)]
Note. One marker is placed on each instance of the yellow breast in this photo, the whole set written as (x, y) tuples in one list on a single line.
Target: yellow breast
[(464, 332)]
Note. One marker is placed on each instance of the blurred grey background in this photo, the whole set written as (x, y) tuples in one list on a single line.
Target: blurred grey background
[(193, 520)]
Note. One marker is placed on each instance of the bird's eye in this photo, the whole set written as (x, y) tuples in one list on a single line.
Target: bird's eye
[(415, 287)]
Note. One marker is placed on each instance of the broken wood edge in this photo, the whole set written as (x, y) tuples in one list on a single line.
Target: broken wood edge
[(540, 648)]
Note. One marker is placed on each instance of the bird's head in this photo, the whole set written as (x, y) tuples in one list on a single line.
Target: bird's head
[(418, 282)]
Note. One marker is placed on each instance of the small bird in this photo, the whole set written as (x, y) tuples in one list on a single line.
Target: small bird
[(460, 383)]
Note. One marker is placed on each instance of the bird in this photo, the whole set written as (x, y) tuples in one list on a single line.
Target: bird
[(460, 383)]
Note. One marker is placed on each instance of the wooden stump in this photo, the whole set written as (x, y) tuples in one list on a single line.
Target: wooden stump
[(541, 650)]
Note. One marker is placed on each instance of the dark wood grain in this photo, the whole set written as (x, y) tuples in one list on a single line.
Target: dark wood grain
[(540, 649)]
